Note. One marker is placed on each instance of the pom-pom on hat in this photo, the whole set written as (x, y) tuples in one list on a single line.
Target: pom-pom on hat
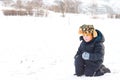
[(87, 29)]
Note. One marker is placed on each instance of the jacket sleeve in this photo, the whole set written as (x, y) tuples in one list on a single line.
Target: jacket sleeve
[(79, 52), (98, 53)]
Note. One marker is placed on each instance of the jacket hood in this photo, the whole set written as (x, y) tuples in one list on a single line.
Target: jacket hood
[(99, 38)]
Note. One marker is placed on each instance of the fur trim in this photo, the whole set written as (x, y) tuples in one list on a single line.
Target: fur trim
[(95, 33), (80, 31)]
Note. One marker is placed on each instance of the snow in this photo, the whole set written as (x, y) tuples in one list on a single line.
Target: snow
[(35, 48)]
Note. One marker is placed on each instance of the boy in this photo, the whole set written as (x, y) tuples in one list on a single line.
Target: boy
[(90, 54)]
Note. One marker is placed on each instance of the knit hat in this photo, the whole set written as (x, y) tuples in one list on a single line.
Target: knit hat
[(87, 29)]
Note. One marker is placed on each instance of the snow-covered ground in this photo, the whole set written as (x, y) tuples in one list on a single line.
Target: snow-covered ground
[(35, 48)]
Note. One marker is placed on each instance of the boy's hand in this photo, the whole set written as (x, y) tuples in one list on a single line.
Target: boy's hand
[(85, 55)]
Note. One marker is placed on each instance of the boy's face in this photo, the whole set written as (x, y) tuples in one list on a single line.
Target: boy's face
[(87, 37)]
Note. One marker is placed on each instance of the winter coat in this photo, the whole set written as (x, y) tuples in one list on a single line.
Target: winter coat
[(95, 47), (93, 66)]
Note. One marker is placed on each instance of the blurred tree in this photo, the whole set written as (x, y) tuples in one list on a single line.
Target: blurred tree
[(68, 6), (19, 4), (7, 2), (29, 7), (60, 6), (37, 5), (72, 6)]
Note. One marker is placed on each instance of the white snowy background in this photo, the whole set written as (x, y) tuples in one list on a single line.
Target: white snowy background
[(43, 48)]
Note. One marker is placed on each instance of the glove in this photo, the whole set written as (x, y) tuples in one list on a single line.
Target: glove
[(85, 55)]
